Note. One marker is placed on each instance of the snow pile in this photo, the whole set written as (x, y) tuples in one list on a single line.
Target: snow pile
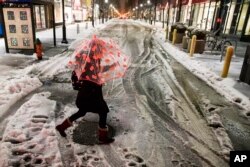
[(13, 90), (30, 137), (50, 68)]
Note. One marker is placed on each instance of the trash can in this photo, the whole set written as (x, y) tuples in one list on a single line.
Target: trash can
[(245, 71)]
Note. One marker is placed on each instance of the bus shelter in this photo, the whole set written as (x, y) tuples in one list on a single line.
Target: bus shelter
[(20, 22)]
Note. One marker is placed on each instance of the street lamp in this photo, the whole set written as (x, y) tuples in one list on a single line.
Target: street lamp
[(106, 12), (64, 40), (93, 8)]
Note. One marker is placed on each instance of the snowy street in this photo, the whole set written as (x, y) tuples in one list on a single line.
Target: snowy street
[(163, 113)]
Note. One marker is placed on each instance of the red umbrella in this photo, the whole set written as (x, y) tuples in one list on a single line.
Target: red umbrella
[(99, 61)]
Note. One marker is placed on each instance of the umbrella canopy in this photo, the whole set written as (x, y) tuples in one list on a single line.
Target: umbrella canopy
[(99, 61)]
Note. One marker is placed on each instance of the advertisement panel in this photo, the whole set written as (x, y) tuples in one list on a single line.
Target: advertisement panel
[(18, 26)]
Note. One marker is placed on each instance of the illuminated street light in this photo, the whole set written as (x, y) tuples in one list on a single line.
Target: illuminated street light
[(148, 2), (141, 5)]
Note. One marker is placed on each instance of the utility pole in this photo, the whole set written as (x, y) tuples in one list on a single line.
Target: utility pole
[(64, 40)]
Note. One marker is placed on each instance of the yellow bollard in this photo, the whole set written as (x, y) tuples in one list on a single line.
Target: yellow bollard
[(192, 47), (166, 34), (229, 54), (174, 36)]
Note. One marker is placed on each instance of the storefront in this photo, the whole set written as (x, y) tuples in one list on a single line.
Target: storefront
[(236, 15), (203, 13), (58, 12), (77, 10), (39, 15)]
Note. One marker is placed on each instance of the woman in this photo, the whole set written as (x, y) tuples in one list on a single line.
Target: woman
[(85, 78)]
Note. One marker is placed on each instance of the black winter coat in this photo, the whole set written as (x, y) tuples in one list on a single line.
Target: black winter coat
[(89, 97)]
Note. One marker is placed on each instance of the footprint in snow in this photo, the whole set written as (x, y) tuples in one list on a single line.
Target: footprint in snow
[(132, 159)]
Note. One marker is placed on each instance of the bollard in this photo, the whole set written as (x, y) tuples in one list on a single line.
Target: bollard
[(77, 28), (174, 36), (166, 34), (229, 54), (192, 47), (86, 26)]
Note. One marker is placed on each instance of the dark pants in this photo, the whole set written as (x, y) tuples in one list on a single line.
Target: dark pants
[(90, 99), (80, 113)]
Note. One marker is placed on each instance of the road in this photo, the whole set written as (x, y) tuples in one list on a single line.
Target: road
[(157, 110)]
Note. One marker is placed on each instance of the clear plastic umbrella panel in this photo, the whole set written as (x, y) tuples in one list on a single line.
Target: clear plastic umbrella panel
[(99, 61)]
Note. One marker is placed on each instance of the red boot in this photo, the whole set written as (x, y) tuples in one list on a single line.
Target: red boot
[(103, 136), (62, 127)]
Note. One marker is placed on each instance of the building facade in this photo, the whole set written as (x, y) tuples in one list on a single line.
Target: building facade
[(232, 17), (75, 10)]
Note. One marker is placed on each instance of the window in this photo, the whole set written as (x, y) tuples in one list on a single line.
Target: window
[(24, 29), (196, 13), (210, 16), (12, 28), (10, 15), (23, 15), (242, 18), (13, 41), (247, 32), (26, 42), (230, 17)]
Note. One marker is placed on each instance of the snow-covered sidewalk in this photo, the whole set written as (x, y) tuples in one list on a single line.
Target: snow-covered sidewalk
[(208, 68)]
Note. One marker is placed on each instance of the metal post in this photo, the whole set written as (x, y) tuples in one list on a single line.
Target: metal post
[(4, 30), (77, 28), (167, 28), (64, 40), (163, 17), (155, 11), (33, 26), (53, 23), (93, 7), (138, 8), (179, 12)]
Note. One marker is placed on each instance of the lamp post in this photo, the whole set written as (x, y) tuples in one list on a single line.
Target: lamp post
[(93, 8), (141, 11), (64, 40), (163, 19), (150, 11), (155, 11), (106, 9)]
